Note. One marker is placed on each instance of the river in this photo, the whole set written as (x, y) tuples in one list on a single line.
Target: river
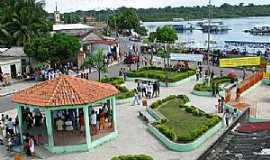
[(236, 34)]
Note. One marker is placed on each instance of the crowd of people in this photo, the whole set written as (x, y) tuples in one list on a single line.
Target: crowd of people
[(146, 89), (10, 136), (70, 120)]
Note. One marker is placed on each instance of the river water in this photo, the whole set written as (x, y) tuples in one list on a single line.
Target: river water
[(238, 25)]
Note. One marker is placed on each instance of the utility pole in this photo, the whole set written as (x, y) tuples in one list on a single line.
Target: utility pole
[(208, 36), (208, 42)]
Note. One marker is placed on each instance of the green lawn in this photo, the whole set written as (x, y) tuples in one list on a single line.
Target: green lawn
[(186, 126), (160, 74)]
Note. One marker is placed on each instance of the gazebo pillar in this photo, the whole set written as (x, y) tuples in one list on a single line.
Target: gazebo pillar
[(49, 127), (113, 102), (86, 124), (19, 113)]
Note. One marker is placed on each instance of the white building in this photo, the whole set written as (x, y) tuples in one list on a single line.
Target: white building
[(12, 60), (79, 30)]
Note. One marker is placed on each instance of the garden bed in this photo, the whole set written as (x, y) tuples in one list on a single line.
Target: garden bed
[(159, 73), (185, 127), (202, 89), (117, 82)]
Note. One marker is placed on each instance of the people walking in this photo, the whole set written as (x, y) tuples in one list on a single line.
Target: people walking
[(197, 74), (136, 98), (148, 90), (227, 117)]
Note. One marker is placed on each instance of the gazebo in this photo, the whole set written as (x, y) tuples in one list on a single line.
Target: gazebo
[(61, 113)]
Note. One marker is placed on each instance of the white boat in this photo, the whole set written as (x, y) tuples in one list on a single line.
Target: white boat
[(214, 26), (178, 19), (259, 30)]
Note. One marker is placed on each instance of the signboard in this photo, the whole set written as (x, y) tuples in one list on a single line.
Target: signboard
[(186, 57), (238, 62)]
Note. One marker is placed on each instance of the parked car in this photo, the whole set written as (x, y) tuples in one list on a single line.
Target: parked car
[(131, 59)]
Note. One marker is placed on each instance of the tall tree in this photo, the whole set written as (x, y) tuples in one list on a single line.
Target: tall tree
[(97, 61), (53, 49)]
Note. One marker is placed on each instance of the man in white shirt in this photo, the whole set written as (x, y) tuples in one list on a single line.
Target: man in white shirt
[(93, 118), (59, 124)]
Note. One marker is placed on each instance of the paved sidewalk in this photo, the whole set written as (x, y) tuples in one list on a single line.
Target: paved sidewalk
[(7, 90)]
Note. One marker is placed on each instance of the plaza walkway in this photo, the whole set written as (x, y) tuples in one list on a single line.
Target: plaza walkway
[(135, 139)]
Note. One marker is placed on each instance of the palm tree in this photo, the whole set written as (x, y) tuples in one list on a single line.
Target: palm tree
[(96, 61), (23, 19)]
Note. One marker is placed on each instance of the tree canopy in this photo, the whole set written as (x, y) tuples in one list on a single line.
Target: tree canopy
[(196, 12), (165, 34), (127, 19), (20, 20), (52, 49)]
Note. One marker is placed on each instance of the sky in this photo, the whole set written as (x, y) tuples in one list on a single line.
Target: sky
[(74, 5)]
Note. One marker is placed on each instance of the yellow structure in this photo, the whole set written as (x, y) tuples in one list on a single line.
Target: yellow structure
[(238, 62)]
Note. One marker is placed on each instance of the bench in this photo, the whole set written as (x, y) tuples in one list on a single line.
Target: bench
[(146, 116)]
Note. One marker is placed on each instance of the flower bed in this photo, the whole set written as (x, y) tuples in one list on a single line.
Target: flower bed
[(117, 82), (160, 74), (133, 157), (178, 127)]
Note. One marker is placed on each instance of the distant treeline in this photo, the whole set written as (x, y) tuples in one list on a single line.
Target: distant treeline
[(197, 12)]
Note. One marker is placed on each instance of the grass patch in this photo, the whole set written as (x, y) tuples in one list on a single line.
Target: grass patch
[(117, 82), (133, 157), (184, 123), (160, 74)]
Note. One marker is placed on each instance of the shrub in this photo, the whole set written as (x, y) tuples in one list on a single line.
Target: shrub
[(189, 109), (186, 138), (133, 157), (168, 132), (213, 121), (182, 106), (159, 102), (184, 98), (195, 112), (155, 105), (113, 80), (209, 115)]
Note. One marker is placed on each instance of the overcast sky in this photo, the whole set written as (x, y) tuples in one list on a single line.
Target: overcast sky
[(73, 5)]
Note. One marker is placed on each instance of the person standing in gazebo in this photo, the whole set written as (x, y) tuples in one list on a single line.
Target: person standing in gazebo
[(81, 121), (93, 118)]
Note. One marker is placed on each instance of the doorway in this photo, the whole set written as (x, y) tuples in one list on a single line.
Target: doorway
[(13, 71)]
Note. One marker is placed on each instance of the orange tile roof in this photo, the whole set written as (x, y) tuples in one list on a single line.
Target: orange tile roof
[(64, 90)]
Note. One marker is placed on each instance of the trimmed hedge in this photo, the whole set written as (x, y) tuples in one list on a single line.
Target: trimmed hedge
[(160, 73), (117, 81), (133, 157), (168, 132), (113, 80)]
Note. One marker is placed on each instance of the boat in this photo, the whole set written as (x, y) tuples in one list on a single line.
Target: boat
[(183, 27), (263, 30), (178, 19), (215, 26)]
